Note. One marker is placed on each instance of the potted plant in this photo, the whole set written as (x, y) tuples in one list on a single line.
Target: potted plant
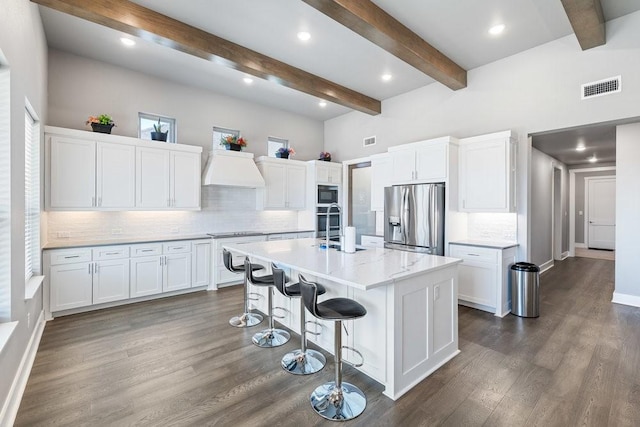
[(325, 155), (284, 153), (102, 123), (233, 143), (157, 134)]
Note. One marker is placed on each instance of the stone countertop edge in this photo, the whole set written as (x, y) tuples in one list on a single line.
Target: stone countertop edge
[(257, 233), (494, 244)]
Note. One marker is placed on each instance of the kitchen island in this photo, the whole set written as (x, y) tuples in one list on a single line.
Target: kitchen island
[(411, 326)]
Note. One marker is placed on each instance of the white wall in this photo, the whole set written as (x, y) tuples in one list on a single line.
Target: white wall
[(533, 91), (627, 207), (79, 87), (23, 44)]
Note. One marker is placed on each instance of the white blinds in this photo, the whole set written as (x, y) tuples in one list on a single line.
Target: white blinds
[(5, 199), (31, 196)]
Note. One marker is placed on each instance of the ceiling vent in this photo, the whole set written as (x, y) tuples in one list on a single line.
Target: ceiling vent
[(371, 140), (602, 87)]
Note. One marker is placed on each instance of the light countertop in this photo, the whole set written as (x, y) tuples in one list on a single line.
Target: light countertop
[(363, 270), (493, 244)]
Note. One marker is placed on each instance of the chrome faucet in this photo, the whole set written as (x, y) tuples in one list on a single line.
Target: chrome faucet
[(328, 230)]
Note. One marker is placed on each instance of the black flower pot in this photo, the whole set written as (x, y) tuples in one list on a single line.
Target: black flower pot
[(282, 155), (234, 147), (100, 128), (159, 136), (325, 159)]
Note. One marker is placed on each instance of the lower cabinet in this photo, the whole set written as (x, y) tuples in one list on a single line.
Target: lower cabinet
[(83, 277), (483, 277)]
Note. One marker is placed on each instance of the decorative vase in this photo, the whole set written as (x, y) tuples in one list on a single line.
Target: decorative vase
[(234, 147), (282, 155), (100, 128), (159, 136)]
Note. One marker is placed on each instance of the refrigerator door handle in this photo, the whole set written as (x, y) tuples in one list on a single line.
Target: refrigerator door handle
[(404, 214), (433, 218)]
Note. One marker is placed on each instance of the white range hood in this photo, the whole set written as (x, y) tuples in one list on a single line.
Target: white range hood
[(233, 169)]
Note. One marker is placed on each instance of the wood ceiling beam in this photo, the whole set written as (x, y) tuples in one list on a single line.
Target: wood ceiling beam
[(377, 26), (128, 17), (587, 21)]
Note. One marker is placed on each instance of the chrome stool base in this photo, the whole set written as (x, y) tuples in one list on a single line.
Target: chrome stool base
[(245, 320), (303, 363), (338, 404), (271, 338)]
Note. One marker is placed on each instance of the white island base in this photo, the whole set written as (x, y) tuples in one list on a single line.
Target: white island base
[(411, 326)]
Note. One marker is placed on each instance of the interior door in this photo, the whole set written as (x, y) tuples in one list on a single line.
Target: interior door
[(602, 213)]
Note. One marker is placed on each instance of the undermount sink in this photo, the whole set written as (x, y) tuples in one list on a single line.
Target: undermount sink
[(337, 247)]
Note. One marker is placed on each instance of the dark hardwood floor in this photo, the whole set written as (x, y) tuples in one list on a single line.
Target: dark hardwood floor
[(176, 361)]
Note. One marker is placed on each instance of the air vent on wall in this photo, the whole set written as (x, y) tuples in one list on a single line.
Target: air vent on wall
[(602, 87), (371, 140)]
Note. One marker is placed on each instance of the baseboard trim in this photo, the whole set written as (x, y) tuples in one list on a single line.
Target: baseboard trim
[(546, 266), (580, 245), (564, 255), (625, 299), (10, 407)]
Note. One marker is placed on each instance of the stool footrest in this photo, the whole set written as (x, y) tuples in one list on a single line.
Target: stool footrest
[(279, 308), (313, 322), (355, 365), (254, 296)]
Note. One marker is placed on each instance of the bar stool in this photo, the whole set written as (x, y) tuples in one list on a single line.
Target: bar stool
[(335, 400), (270, 337), (303, 361), (247, 318)]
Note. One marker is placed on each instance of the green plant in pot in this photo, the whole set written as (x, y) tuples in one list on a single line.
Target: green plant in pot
[(102, 123), (157, 134)]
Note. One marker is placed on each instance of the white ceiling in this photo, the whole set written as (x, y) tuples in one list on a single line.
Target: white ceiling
[(598, 140), (456, 27)]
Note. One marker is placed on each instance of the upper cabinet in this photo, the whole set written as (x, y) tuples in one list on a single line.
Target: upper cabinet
[(420, 162), (381, 167), (327, 172), (285, 184), (487, 173), (89, 171)]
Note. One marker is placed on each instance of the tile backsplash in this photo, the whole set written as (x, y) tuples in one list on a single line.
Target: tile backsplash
[(223, 209), (492, 226)]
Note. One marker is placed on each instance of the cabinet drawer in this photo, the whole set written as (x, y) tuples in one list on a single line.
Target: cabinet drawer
[(69, 256), (176, 247), (473, 253), (110, 252), (372, 241), (146, 249)]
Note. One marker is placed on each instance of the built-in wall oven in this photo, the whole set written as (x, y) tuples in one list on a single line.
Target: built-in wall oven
[(321, 222), (327, 194)]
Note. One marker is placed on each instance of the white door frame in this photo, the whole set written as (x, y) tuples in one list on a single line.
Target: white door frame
[(572, 202), (556, 235), (345, 185), (587, 182)]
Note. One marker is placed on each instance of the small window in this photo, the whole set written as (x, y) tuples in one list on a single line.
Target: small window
[(146, 124), (274, 144), (31, 196), (219, 133)]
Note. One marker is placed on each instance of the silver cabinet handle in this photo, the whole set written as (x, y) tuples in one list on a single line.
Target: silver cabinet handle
[(95, 268), (473, 254), (89, 268), (146, 250), (112, 253), (71, 256), (99, 201), (93, 201)]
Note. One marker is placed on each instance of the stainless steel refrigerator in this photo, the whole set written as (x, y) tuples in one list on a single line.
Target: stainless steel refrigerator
[(414, 218)]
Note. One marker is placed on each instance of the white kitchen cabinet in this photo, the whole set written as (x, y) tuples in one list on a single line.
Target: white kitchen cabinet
[(201, 263), (72, 173), (153, 176), (327, 172), (146, 276), (381, 166), (285, 184), (185, 180), (487, 173), (483, 277), (222, 276), (176, 272), (419, 162), (110, 280), (115, 175), (71, 286)]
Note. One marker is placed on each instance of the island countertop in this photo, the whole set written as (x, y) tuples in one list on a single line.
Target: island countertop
[(366, 269)]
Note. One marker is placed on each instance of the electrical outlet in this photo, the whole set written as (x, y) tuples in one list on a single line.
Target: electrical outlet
[(436, 292), (28, 320), (116, 231), (63, 234)]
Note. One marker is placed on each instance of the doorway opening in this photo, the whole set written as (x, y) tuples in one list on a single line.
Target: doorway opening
[(359, 213)]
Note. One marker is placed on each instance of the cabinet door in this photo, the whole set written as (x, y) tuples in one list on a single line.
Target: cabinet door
[(152, 178), (296, 186), (185, 180), (322, 173), (70, 286), (201, 263), (477, 283), (176, 272), (484, 177), (116, 174), (110, 281), (380, 178), (73, 173), (431, 162), (146, 276), (335, 174), (404, 165), (275, 177)]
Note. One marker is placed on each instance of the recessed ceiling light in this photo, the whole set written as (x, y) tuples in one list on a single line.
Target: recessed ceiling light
[(593, 159), (496, 29), (386, 77), (322, 104), (581, 147), (304, 36), (248, 80), (127, 41)]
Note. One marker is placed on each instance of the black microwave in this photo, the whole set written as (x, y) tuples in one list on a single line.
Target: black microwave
[(327, 194)]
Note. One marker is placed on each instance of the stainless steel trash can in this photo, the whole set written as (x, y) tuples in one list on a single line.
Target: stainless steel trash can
[(525, 289)]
